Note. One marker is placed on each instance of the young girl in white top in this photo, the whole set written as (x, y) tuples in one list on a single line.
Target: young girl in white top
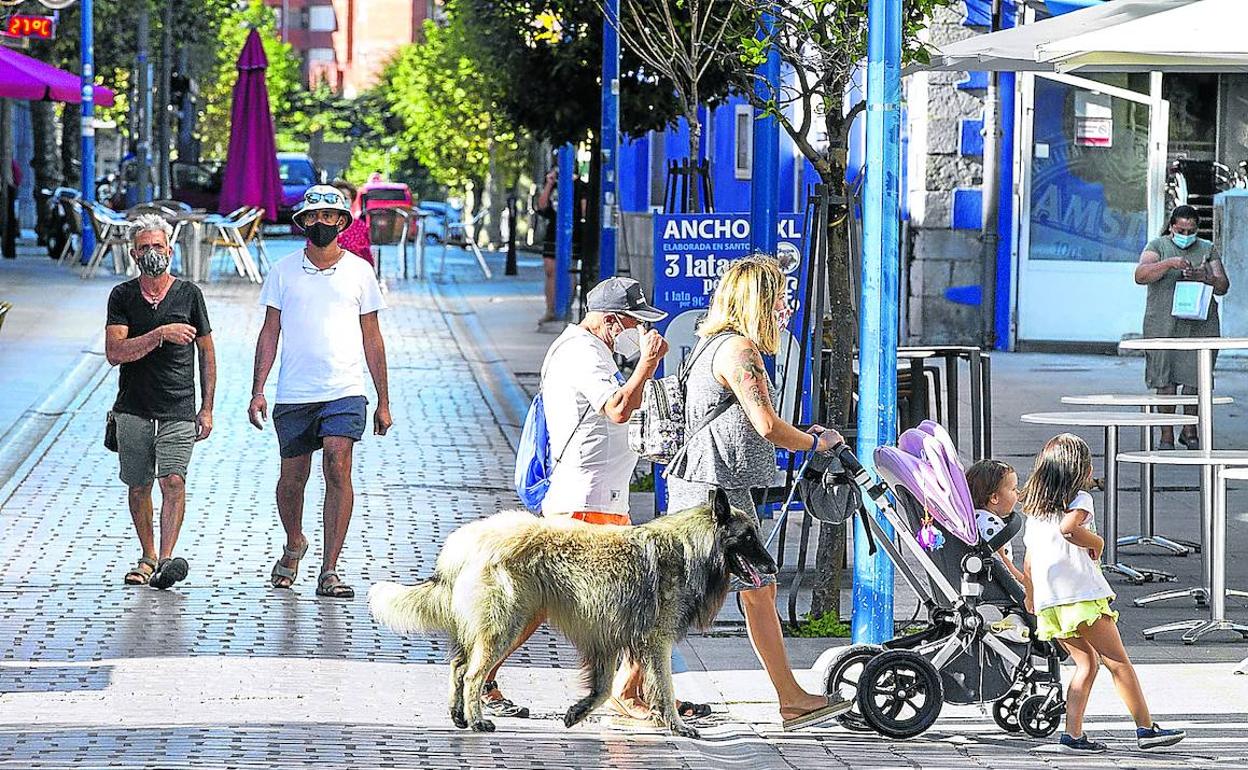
[(1068, 593)]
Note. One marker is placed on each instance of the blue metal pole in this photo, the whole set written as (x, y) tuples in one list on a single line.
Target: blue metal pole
[(765, 167), (610, 137), (87, 166), (877, 383), (566, 205)]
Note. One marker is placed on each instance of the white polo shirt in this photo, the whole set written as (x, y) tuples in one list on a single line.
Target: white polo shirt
[(594, 471), (322, 345)]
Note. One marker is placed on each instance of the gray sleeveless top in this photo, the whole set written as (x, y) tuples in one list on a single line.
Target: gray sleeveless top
[(729, 452)]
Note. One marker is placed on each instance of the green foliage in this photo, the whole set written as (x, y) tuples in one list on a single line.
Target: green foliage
[(822, 626), (446, 116), (283, 78), (542, 60)]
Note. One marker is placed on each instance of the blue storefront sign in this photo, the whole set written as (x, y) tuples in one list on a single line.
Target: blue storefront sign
[(691, 253)]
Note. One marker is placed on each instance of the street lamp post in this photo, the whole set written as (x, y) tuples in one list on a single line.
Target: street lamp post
[(610, 137), (877, 365), (87, 52)]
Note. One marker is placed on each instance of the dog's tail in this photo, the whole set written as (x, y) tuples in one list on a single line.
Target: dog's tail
[(425, 606)]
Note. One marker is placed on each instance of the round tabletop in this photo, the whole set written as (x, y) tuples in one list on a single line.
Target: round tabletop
[(1184, 343), (1108, 419), (1187, 457), (913, 353), (1140, 399)]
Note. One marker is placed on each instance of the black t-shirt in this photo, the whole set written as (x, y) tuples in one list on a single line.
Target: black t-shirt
[(161, 384)]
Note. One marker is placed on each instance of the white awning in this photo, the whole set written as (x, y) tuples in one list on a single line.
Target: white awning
[(1118, 36)]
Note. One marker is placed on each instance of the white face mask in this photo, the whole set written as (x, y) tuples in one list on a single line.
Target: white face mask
[(628, 342)]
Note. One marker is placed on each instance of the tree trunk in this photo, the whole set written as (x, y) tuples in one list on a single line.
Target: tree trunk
[(46, 160), (494, 194), (71, 139), (840, 336)]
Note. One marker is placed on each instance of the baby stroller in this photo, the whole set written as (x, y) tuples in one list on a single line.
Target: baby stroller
[(961, 656)]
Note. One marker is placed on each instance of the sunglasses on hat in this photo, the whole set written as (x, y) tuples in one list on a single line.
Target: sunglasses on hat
[(316, 197)]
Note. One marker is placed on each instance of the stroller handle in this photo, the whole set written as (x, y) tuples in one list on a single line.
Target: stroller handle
[(848, 460)]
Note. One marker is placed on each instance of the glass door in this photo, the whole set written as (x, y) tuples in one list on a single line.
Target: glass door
[(1090, 201)]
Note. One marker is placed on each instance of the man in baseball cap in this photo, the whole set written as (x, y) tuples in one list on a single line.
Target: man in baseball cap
[(588, 403), (622, 295)]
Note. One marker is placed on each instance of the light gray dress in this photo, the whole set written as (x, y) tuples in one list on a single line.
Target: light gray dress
[(728, 453), (1163, 368)]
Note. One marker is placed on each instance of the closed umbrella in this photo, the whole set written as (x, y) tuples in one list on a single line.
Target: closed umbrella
[(251, 177)]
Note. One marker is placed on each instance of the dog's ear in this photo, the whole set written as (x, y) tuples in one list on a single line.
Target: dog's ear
[(721, 507)]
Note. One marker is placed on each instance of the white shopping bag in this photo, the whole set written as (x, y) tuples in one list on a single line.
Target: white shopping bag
[(1191, 300)]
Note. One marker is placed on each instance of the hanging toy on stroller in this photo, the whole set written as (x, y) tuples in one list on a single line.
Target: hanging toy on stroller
[(960, 657)]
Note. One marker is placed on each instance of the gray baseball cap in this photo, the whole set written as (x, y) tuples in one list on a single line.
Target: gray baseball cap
[(622, 295)]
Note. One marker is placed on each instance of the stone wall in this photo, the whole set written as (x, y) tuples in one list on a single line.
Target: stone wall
[(945, 169)]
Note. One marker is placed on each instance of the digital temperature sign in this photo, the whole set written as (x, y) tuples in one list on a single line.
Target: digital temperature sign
[(23, 25)]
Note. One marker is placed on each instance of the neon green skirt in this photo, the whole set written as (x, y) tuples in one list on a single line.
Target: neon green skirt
[(1063, 621)]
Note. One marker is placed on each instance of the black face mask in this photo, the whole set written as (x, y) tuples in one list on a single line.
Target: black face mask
[(321, 234)]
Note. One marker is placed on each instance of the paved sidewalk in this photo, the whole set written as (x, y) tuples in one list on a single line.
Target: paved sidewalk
[(225, 672)]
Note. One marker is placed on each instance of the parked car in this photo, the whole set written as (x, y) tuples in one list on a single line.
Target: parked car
[(440, 216), (298, 173), (197, 184)]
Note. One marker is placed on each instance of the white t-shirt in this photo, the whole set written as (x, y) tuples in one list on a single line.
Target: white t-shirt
[(322, 346), (593, 472), (1062, 572)]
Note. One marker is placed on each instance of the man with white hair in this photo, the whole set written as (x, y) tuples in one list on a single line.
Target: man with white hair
[(152, 322)]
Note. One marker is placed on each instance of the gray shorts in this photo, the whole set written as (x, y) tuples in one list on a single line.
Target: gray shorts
[(151, 449), (683, 494)]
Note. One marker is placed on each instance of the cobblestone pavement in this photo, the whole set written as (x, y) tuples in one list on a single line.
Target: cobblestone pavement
[(225, 672)]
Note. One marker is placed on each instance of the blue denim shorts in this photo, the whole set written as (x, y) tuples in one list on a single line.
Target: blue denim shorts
[(302, 428)]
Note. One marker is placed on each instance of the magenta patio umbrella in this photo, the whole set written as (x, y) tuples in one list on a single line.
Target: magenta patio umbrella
[(23, 77), (251, 177)]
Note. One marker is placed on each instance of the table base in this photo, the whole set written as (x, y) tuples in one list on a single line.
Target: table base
[(1199, 593), (1196, 628), (1139, 575), (1161, 541)]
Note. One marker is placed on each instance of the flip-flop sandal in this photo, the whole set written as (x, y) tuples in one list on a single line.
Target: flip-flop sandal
[(140, 577), (289, 573), (501, 707), (691, 710), (819, 716), (331, 586), (169, 572)]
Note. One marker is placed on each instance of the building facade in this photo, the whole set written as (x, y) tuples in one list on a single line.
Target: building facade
[(347, 43)]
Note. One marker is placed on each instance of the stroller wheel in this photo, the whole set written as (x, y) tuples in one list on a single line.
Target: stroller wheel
[(900, 693), (1005, 712), (842, 677), (1038, 719)]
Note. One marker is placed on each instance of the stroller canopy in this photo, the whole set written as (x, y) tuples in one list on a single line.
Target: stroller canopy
[(926, 464)]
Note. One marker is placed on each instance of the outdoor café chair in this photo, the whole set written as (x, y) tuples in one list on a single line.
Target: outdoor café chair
[(464, 234), (71, 209), (5, 307), (111, 234), (234, 235), (387, 227)]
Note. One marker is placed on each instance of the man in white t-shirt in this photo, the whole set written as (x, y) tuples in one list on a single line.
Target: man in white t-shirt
[(322, 303), (588, 403)]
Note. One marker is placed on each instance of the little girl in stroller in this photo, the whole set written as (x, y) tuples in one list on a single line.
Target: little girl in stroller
[(961, 656)]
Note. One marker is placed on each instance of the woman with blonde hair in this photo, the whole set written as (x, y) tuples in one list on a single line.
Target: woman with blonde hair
[(736, 451)]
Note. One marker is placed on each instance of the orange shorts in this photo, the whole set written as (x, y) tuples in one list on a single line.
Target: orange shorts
[(595, 517)]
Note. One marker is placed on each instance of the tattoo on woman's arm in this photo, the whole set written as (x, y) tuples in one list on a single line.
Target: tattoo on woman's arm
[(750, 375)]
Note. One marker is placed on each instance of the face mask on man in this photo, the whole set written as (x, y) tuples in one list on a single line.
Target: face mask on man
[(152, 261), (321, 234), (628, 342), (1183, 240)]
